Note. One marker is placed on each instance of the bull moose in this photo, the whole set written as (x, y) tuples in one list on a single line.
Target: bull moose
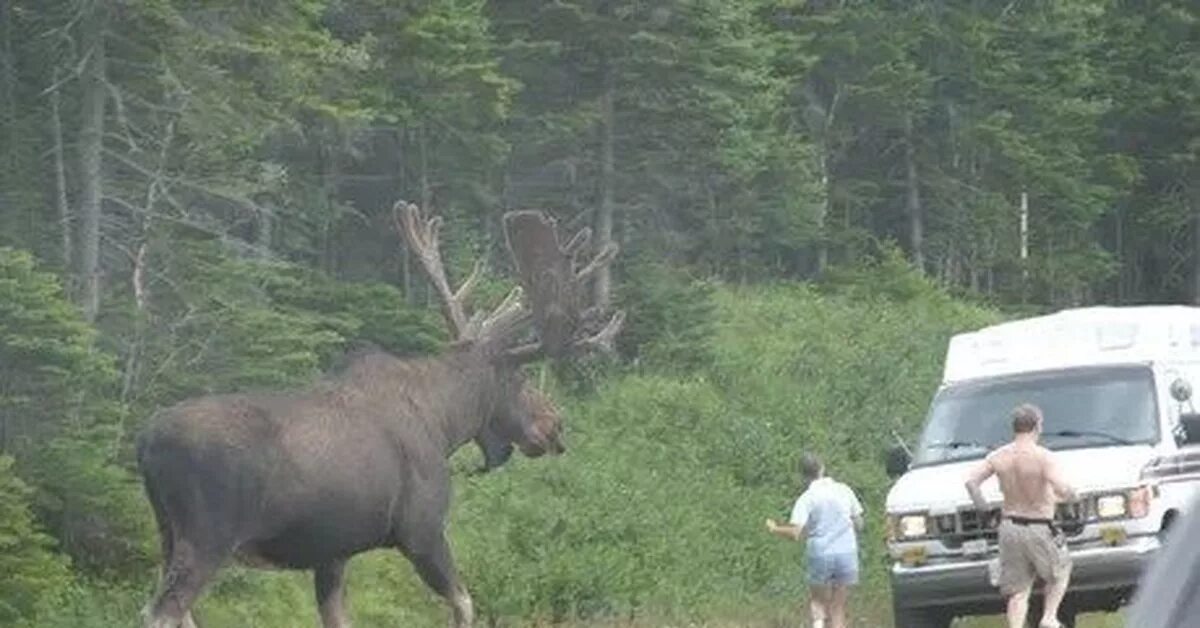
[(305, 479)]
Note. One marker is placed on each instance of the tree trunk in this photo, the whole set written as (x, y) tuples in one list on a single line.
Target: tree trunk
[(916, 224), (602, 288), (426, 201), (66, 225), (1192, 190), (1024, 234), (8, 89), (823, 213), (91, 143)]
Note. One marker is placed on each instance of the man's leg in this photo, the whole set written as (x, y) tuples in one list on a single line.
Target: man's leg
[(1055, 591), (1018, 608)]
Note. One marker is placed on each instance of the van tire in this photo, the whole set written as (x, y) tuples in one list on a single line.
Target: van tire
[(920, 618)]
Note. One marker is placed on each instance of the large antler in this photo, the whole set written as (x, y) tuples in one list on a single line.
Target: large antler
[(421, 233), (552, 279), (555, 283)]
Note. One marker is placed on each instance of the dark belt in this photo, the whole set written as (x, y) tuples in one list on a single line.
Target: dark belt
[(1033, 521)]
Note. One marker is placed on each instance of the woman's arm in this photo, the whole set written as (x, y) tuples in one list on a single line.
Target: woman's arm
[(786, 531)]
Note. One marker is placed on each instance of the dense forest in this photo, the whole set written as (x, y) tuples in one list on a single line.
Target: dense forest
[(196, 196)]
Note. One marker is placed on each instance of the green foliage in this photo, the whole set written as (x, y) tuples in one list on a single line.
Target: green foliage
[(669, 317), (656, 510), (58, 418), (35, 577), (250, 323), (94, 505), (358, 312), (50, 369)]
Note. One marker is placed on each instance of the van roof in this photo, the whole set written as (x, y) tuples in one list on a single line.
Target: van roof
[(1076, 337)]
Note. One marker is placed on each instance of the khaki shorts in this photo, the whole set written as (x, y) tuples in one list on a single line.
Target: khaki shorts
[(1028, 552)]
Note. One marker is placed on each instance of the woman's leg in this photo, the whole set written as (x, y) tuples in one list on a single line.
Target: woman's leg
[(818, 604), (838, 595)]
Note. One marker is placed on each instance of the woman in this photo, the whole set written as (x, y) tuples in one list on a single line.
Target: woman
[(829, 514)]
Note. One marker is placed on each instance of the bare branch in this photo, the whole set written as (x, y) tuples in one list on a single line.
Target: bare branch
[(72, 75), (122, 119)]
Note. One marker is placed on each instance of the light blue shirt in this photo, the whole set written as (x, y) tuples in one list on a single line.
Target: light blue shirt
[(826, 510)]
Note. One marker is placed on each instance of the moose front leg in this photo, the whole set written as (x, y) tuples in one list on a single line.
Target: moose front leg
[(435, 565), (329, 580)]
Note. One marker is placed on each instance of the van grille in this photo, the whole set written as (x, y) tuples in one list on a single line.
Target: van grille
[(953, 529)]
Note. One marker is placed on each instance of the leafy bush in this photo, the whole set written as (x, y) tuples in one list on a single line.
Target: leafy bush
[(670, 317), (35, 577), (59, 420)]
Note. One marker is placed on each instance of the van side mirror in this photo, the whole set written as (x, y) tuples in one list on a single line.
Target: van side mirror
[(1181, 391), (1189, 423), (898, 461)]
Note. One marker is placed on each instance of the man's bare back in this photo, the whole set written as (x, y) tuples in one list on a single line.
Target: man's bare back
[(1029, 543), (1029, 480)]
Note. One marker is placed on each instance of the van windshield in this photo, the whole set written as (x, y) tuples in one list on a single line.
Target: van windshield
[(1093, 407)]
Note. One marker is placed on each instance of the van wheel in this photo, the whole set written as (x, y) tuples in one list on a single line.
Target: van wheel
[(920, 618)]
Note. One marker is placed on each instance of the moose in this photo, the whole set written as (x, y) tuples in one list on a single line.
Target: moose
[(307, 478)]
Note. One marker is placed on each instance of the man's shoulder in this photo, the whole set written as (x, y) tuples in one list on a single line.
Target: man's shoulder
[(1045, 453), (999, 452)]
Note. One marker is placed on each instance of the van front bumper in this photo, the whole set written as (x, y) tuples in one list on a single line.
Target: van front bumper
[(1097, 574)]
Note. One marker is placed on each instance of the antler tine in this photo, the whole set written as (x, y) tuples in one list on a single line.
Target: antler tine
[(578, 243), (505, 319), (603, 339), (602, 259), (422, 237), (468, 284), (556, 287)]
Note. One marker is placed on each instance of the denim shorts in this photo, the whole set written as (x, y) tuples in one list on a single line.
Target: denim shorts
[(833, 568)]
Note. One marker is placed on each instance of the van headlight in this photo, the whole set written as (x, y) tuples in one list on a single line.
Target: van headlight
[(912, 526), (1111, 507), (1133, 504)]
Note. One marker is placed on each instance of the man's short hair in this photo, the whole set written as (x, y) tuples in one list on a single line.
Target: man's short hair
[(811, 466), (1026, 418)]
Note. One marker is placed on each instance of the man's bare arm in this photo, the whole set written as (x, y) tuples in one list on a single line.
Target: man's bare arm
[(980, 473), (1062, 489)]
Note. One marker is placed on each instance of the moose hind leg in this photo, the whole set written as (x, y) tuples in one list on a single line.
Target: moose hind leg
[(330, 583), (184, 577), (436, 567)]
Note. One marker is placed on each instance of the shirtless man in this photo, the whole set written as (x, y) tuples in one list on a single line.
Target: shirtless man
[(1030, 545)]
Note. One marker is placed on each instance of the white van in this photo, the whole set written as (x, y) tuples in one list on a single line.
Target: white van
[(1115, 385)]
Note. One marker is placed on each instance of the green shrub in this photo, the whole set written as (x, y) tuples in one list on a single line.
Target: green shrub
[(669, 319), (60, 420), (35, 577)]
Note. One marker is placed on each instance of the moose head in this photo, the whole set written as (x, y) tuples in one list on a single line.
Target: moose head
[(550, 298)]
